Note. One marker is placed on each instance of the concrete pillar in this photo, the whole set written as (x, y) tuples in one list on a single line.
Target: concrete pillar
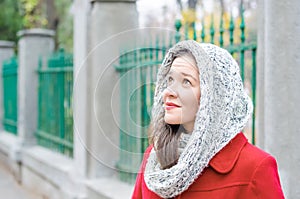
[(110, 24), (279, 60), (260, 75), (80, 10), (33, 43), (6, 52)]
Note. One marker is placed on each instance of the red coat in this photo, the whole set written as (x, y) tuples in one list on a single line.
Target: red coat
[(239, 171)]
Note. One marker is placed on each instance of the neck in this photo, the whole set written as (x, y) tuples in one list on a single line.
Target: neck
[(189, 127)]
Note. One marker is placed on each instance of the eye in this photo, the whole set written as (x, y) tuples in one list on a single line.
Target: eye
[(186, 82), (170, 80)]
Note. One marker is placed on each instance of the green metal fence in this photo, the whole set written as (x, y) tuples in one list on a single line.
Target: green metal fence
[(137, 77), (138, 69), (55, 113), (10, 84)]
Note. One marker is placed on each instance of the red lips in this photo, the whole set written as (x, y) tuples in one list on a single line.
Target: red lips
[(171, 105)]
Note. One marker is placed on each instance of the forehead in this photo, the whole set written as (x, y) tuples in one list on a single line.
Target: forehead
[(184, 64)]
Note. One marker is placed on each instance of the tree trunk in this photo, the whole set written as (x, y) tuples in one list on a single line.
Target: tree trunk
[(52, 16)]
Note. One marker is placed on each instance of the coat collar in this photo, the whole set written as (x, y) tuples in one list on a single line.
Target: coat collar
[(224, 161)]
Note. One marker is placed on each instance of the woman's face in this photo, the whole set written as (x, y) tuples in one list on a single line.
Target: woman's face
[(182, 96)]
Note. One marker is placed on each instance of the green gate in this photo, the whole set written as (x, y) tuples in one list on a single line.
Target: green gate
[(10, 84), (137, 69), (55, 113)]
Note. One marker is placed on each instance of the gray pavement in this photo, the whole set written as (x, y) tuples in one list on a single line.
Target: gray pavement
[(10, 189)]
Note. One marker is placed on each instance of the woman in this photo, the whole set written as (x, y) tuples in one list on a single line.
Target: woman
[(198, 150)]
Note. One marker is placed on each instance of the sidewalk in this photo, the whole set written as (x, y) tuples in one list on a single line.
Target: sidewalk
[(11, 189)]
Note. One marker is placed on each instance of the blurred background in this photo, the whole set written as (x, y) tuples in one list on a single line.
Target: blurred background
[(57, 15)]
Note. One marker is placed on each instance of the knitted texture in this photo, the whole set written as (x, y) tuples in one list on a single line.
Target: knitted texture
[(223, 112)]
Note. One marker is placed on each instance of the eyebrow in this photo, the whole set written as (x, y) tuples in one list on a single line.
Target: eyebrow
[(184, 74)]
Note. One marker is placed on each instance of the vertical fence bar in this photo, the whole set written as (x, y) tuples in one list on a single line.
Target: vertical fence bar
[(127, 122), (203, 31), (123, 106), (186, 31), (61, 81), (194, 31), (212, 29), (253, 93), (231, 30), (130, 133), (40, 99), (177, 34), (221, 31), (242, 57), (163, 48), (143, 107)]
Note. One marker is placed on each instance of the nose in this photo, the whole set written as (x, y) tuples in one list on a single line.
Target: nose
[(169, 92)]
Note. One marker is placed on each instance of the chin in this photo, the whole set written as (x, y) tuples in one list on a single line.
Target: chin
[(172, 120)]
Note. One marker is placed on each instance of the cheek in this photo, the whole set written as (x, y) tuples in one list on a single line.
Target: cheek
[(192, 107), (191, 99)]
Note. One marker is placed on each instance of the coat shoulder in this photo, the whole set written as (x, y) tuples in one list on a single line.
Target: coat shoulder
[(237, 152), (253, 154)]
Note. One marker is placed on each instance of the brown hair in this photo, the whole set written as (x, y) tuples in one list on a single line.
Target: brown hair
[(166, 138)]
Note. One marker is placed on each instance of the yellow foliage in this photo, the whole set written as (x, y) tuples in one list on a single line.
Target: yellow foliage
[(189, 16)]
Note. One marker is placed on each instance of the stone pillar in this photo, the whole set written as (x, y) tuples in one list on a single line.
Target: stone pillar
[(80, 12), (260, 75), (110, 21), (6, 52), (279, 61), (33, 43)]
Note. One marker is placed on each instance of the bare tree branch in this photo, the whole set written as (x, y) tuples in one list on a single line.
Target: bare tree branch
[(180, 4), (222, 6), (192, 4)]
